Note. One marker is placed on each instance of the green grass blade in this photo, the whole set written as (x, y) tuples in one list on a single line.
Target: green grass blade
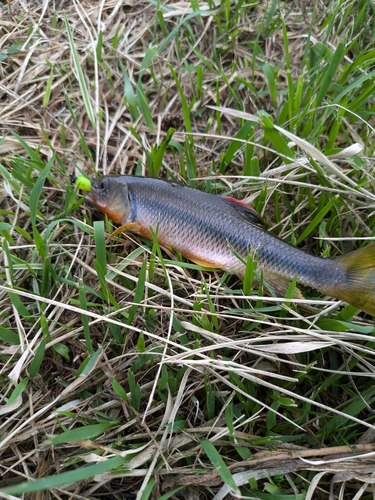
[(147, 60), (37, 191), (18, 304), (104, 285), (119, 390), (317, 219), (18, 390), (48, 91), (92, 359), (359, 403), (276, 139), (234, 146), (38, 358), (270, 77), (139, 292), (65, 478), (99, 47), (213, 319), (100, 248), (33, 154), (174, 32), (249, 275), (9, 336), (83, 143), (158, 152), (185, 107), (130, 96), (219, 464), (356, 84), (135, 391), (78, 434), (5, 225), (171, 493), (84, 318), (291, 91), (80, 76), (149, 488), (330, 73), (144, 106)]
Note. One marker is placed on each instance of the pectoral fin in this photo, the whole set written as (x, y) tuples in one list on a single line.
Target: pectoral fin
[(128, 226)]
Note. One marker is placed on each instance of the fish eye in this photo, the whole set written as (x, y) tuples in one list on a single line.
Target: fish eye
[(103, 185)]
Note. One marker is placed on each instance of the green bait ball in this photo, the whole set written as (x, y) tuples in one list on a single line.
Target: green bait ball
[(83, 183)]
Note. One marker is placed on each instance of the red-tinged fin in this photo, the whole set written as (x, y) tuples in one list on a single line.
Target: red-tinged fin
[(360, 287), (245, 211)]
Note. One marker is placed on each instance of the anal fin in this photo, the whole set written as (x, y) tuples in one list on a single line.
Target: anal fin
[(203, 263), (281, 285)]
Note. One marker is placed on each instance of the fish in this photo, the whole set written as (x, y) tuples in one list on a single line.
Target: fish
[(219, 232)]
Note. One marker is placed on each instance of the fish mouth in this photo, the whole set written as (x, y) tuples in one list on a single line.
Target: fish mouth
[(97, 202), (92, 198)]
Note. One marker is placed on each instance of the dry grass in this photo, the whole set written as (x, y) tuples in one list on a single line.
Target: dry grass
[(131, 361)]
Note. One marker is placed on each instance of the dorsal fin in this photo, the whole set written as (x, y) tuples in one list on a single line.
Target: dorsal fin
[(245, 211)]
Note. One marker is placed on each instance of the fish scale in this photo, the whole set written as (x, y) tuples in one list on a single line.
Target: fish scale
[(210, 230)]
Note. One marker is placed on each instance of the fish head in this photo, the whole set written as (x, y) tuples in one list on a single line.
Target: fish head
[(110, 197)]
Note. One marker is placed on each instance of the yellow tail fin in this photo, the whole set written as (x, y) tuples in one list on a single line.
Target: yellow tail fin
[(359, 290)]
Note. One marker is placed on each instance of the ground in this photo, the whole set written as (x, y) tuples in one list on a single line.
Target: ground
[(126, 371)]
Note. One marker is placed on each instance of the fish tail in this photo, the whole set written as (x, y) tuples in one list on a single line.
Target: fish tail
[(359, 289)]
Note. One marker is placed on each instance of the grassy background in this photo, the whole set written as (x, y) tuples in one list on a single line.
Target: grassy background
[(125, 371)]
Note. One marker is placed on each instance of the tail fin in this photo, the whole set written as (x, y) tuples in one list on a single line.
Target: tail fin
[(359, 289)]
